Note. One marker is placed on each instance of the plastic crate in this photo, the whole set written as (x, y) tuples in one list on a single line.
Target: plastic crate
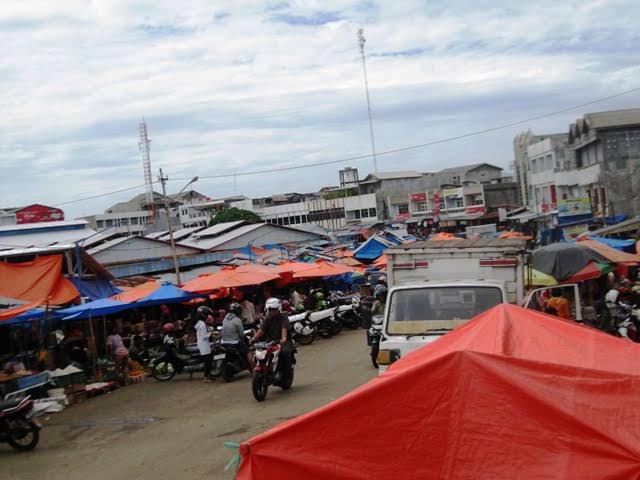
[(67, 380), (32, 380)]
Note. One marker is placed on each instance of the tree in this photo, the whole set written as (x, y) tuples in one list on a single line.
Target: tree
[(235, 214)]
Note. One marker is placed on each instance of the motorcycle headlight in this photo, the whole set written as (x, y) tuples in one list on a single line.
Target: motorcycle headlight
[(261, 354)]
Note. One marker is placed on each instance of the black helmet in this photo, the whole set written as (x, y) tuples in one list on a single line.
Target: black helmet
[(203, 312), (382, 292), (235, 308)]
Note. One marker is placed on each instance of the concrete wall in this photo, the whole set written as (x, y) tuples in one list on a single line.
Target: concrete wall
[(498, 195)]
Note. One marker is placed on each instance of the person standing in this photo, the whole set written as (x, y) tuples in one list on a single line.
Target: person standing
[(203, 338), (247, 311)]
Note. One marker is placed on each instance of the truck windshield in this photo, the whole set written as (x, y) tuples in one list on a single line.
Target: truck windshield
[(433, 309)]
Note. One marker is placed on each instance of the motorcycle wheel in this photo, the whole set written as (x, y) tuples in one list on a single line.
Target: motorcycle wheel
[(374, 354), (163, 371), (228, 372), (306, 339), (350, 321), (335, 328), (285, 383), (259, 386), (25, 437)]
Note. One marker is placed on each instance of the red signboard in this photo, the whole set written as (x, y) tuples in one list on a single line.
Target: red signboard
[(418, 197), (436, 203), (476, 209), (39, 213), (402, 216)]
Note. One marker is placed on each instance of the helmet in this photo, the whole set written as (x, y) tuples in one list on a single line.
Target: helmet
[(382, 291), (168, 328), (286, 305), (273, 304), (382, 279), (235, 308), (203, 312), (319, 296)]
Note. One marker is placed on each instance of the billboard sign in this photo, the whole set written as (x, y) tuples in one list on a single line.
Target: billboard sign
[(574, 206)]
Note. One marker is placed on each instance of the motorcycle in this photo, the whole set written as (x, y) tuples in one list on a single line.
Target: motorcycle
[(169, 362), (626, 321), (233, 361), (266, 369), (347, 316), (302, 328), (374, 334), (325, 322), (18, 427)]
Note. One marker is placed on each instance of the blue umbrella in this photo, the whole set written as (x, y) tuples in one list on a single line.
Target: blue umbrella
[(167, 293)]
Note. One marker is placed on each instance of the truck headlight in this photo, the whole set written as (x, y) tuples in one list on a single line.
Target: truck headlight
[(387, 357)]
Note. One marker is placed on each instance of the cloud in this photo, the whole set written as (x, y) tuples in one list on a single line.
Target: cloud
[(235, 88)]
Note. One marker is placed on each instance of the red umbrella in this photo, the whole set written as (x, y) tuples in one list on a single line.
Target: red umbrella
[(591, 271)]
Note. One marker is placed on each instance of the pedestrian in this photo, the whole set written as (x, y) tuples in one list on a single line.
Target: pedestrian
[(558, 303), (203, 338), (247, 311)]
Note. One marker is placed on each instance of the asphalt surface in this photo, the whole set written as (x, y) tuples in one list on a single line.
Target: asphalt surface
[(176, 430)]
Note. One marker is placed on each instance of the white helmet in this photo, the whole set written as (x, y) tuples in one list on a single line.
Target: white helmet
[(273, 303)]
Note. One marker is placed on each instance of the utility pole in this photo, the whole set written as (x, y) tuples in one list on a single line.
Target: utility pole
[(163, 181), (361, 41)]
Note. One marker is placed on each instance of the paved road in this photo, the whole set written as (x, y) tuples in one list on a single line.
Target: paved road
[(175, 430)]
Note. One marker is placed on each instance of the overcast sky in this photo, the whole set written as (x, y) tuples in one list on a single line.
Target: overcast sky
[(238, 86)]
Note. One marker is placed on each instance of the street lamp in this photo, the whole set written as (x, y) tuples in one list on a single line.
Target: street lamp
[(361, 41), (163, 181)]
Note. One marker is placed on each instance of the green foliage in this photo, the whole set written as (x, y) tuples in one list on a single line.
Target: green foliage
[(347, 192), (233, 215)]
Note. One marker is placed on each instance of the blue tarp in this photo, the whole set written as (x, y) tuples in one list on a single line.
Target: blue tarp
[(624, 245), (94, 289), (167, 293), (574, 220), (29, 316), (370, 250), (104, 306)]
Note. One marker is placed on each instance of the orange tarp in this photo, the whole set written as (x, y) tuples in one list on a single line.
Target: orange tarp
[(381, 261), (512, 394), (135, 294), (323, 269), (228, 277), (38, 282), (444, 236), (611, 254), (514, 235)]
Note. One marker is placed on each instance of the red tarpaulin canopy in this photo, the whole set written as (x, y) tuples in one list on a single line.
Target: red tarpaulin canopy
[(381, 261), (322, 269), (37, 282), (228, 277), (444, 236), (512, 394), (136, 293)]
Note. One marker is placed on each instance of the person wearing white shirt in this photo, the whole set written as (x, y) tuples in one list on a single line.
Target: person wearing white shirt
[(203, 338)]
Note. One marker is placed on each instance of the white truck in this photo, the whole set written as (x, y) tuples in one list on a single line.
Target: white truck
[(434, 286)]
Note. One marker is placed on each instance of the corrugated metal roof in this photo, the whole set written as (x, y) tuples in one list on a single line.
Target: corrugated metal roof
[(464, 243), (218, 229), (375, 177), (42, 225), (108, 244), (154, 235), (182, 233), (45, 238), (208, 243)]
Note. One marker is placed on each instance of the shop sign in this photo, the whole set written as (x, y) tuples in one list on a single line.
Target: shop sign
[(574, 231), (418, 197), (402, 216), (451, 192), (475, 209), (574, 206), (436, 204)]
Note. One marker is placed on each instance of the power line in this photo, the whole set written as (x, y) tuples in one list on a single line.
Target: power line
[(366, 156)]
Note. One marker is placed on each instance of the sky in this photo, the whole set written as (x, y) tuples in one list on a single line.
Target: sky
[(238, 86)]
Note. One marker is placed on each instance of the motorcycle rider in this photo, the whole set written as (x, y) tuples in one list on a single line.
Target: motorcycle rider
[(275, 328), (379, 303), (203, 335), (380, 284), (233, 332), (169, 342)]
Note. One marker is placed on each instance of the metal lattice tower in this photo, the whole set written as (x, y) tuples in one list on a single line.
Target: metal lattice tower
[(144, 145)]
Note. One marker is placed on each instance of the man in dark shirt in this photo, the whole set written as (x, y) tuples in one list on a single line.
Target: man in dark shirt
[(275, 328)]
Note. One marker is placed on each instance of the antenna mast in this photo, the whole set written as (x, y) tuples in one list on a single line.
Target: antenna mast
[(144, 145)]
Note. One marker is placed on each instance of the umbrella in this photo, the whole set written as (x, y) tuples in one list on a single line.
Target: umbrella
[(228, 277), (167, 293), (562, 260), (323, 269), (539, 279), (589, 272), (137, 293)]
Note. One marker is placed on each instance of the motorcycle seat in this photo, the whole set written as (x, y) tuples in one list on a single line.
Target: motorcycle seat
[(8, 404)]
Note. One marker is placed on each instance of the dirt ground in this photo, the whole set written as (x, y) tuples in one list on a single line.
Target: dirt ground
[(176, 430)]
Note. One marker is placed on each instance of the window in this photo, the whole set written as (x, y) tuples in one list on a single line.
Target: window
[(134, 221), (403, 208), (298, 219), (357, 214), (286, 220), (459, 202), (372, 212), (108, 223), (421, 206), (279, 221), (549, 162), (456, 180), (534, 165), (100, 223), (364, 213), (124, 221)]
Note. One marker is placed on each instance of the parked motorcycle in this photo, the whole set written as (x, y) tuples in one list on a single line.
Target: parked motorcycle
[(266, 369), (374, 334), (347, 316), (625, 322), (303, 329), (325, 322), (18, 427), (169, 362)]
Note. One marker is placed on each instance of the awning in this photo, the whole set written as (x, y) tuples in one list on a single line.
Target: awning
[(611, 254), (104, 306), (626, 226)]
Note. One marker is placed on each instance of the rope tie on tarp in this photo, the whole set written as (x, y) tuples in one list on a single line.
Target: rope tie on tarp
[(235, 460)]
